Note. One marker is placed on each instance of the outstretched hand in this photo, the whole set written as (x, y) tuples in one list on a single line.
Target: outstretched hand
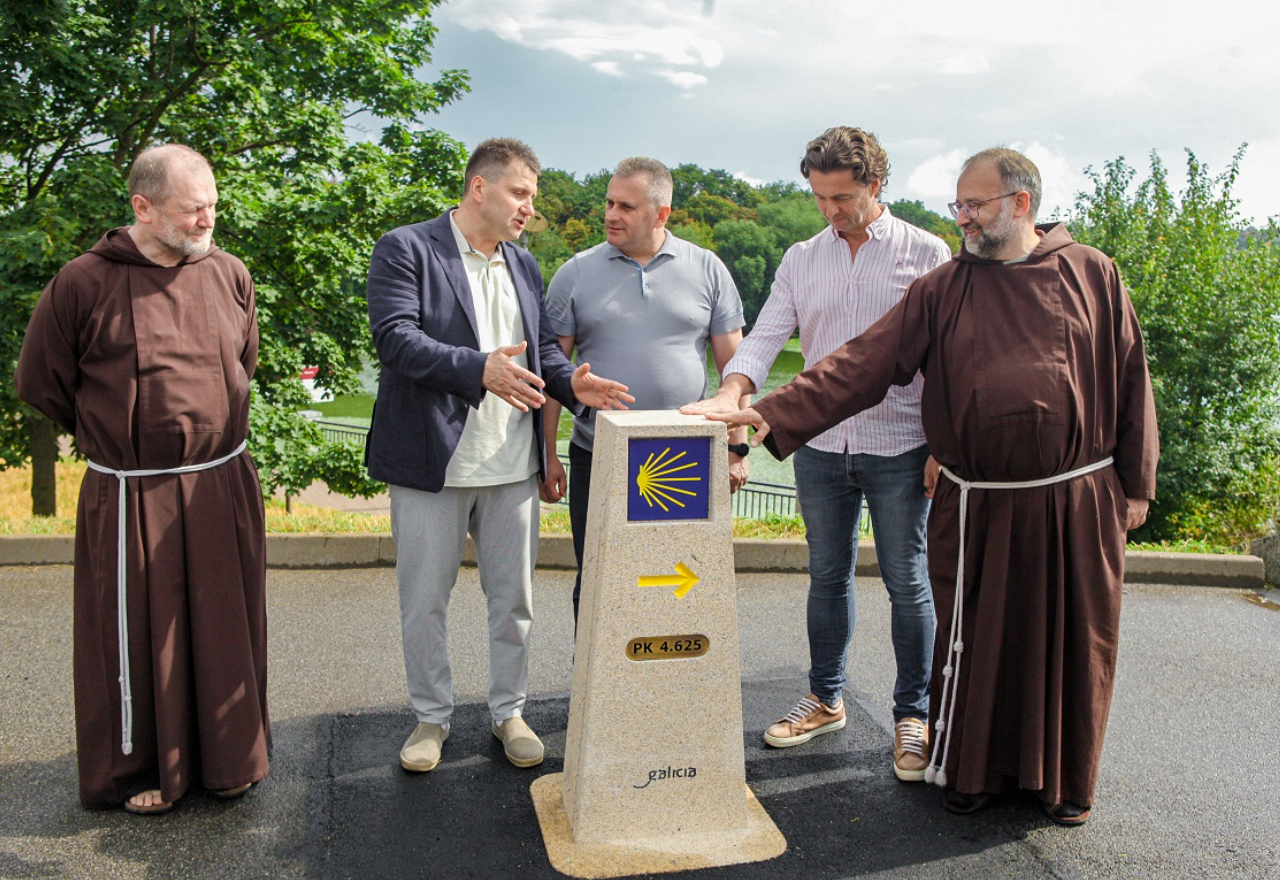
[(598, 392), (742, 418), (510, 381)]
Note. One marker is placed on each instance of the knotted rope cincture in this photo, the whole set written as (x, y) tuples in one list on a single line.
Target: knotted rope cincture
[(122, 576), (936, 772)]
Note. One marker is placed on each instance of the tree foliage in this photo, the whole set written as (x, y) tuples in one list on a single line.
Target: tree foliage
[(1208, 296), (270, 93), (915, 213)]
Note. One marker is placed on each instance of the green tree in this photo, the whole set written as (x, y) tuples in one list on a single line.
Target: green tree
[(689, 181), (1208, 298), (268, 92), (751, 254), (793, 217), (915, 213), (712, 210)]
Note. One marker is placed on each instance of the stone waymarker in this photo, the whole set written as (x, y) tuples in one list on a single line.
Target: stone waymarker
[(654, 776)]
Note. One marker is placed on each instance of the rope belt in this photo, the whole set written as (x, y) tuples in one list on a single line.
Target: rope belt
[(122, 612), (951, 676)]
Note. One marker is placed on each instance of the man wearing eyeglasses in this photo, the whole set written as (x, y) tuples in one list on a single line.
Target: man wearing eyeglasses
[(833, 287), (1038, 408)]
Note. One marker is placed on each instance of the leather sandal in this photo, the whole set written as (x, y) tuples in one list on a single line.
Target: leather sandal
[(228, 794), (156, 809), (962, 804), (1066, 813)]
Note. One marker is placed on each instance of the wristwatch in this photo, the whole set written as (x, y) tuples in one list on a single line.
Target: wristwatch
[(739, 449)]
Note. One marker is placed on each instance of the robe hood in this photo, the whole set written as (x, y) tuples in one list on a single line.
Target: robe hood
[(118, 247), (1054, 237)]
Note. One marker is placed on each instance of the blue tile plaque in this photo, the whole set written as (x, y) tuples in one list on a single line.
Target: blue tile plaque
[(668, 478)]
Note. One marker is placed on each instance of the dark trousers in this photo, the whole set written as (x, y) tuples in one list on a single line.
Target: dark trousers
[(579, 501)]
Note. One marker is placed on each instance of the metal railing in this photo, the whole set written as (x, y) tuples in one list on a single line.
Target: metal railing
[(338, 432), (754, 501)]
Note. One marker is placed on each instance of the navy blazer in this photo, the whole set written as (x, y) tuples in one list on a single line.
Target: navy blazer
[(424, 329)]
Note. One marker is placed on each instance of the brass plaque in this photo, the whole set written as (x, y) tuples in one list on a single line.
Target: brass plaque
[(667, 647)]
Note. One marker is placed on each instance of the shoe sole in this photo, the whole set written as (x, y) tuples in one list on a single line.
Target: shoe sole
[(422, 766), (152, 810), (518, 762), (1065, 821), (230, 794), (786, 742), (908, 775), (513, 760), (979, 801), (527, 762)]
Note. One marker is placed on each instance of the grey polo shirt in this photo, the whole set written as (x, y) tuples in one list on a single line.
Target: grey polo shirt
[(644, 326)]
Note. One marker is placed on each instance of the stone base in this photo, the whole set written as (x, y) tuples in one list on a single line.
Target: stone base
[(758, 842)]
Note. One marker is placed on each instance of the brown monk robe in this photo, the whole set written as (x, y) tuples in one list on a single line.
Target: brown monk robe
[(1031, 369), (149, 367)]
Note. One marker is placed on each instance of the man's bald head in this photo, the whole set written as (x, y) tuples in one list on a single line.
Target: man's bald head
[(152, 173)]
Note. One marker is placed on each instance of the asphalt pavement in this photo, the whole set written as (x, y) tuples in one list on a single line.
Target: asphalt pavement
[(1189, 784)]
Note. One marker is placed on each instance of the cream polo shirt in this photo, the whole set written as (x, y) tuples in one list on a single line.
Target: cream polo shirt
[(496, 446)]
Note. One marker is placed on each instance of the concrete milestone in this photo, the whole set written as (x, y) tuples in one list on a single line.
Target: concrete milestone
[(644, 790)]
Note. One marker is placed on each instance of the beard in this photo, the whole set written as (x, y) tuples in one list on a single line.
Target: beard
[(179, 242), (992, 238)]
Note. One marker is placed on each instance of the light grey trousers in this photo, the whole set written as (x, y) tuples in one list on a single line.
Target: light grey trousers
[(430, 530)]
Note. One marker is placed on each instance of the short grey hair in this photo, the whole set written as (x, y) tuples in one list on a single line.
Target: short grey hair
[(1017, 172), (660, 187), (151, 173), (493, 157)]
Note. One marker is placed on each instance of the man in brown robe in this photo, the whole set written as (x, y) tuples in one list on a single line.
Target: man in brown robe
[(1033, 370), (143, 349)]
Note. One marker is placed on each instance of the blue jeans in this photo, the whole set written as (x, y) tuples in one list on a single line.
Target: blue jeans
[(830, 487)]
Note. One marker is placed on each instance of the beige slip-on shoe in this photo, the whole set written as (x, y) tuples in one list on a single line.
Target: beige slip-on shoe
[(522, 746), (421, 750)]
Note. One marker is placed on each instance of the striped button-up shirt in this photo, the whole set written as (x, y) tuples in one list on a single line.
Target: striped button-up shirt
[(833, 297)]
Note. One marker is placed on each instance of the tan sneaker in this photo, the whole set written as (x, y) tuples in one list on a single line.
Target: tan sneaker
[(910, 749), (421, 750), (808, 719), (521, 745)]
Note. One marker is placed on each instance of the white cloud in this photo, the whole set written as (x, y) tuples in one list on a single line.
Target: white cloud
[(934, 79), (621, 38), (957, 64), (934, 179), (685, 79), (1060, 177)]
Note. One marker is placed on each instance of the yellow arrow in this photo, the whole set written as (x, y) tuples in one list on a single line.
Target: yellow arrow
[(683, 580)]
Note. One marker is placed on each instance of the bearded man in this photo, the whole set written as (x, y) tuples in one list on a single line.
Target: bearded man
[(1038, 410), (143, 348)]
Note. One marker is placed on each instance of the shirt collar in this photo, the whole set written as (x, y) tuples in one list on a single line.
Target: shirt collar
[(877, 229), (465, 248), (669, 247)]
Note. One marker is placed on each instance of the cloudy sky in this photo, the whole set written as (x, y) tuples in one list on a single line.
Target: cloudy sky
[(742, 85)]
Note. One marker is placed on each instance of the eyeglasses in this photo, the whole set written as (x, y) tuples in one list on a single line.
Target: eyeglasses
[(970, 208)]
